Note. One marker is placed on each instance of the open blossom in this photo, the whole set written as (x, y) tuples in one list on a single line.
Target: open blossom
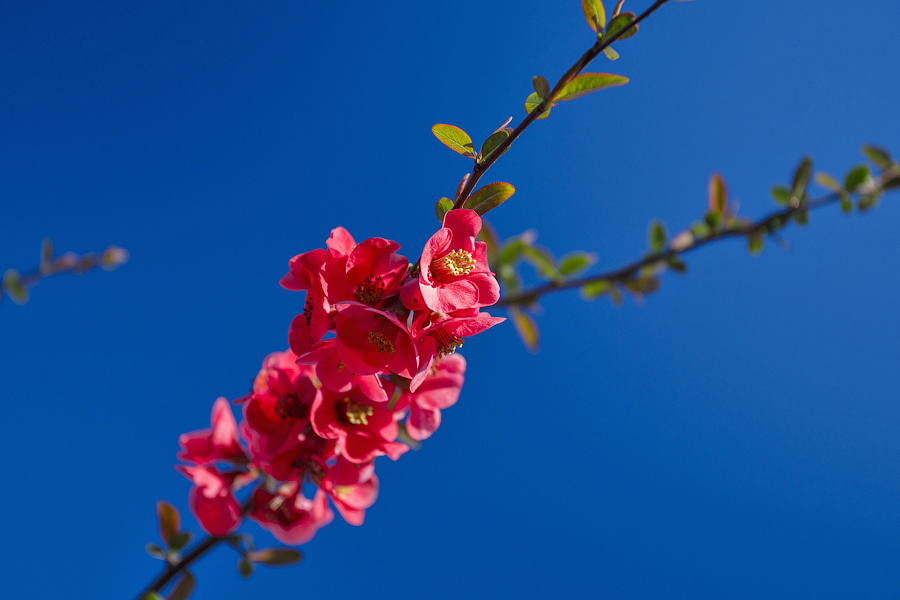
[(211, 499), (334, 374), (352, 488), (363, 429), (368, 274), (370, 341), (289, 515), (454, 271), (215, 444), (439, 390)]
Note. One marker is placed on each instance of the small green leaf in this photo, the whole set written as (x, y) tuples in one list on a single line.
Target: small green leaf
[(442, 207), (828, 182), (595, 289), (700, 230), (454, 138), (183, 588), (491, 144), (620, 22), (180, 540), (490, 196), (657, 236), (801, 217), (512, 250), (868, 201), (575, 262), (586, 83), (526, 328), (676, 264), (856, 177), (155, 551), (169, 521), (610, 53), (755, 243), (541, 86), (532, 102), (717, 194), (595, 14), (781, 194), (13, 286), (891, 181), (846, 203), (153, 596), (542, 261), (714, 220), (245, 567), (489, 237), (275, 557), (801, 178), (878, 155)]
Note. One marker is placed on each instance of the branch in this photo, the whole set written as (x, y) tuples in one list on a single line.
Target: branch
[(601, 43)]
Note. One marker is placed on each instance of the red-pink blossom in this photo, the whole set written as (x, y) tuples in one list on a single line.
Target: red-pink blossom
[(362, 428), (218, 443), (368, 274), (334, 374), (454, 271), (290, 516), (370, 341), (211, 500), (352, 488), (439, 390)]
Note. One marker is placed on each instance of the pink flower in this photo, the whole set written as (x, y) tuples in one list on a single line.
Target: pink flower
[(439, 390), (371, 340), (352, 488), (454, 271), (334, 374), (368, 274), (211, 445), (211, 500), (362, 428), (291, 517)]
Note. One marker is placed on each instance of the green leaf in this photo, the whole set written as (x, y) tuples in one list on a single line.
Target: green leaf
[(491, 144), (512, 250), (180, 540), (542, 261), (620, 22), (575, 262), (878, 155), (541, 86), (717, 195), (586, 83), (275, 557), (442, 207), (700, 230), (868, 201), (755, 243), (856, 177), (245, 567), (490, 196), (153, 596), (846, 203), (714, 220), (676, 264), (454, 138), (801, 217), (526, 328), (532, 102), (13, 286), (610, 53), (595, 289), (828, 182), (183, 588), (169, 521), (489, 237), (155, 551), (594, 13), (657, 236), (801, 178), (891, 182), (781, 194)]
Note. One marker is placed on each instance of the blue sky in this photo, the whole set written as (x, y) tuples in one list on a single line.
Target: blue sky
[(736, 436)]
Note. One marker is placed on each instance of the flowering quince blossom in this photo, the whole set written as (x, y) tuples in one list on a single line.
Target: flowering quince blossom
[(372, 359)]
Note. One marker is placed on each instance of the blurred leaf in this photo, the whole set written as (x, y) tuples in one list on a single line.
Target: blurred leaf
[(595, 14), (781, 194), (801, 178), (489, 237), (644, 285), (442, 207), (183, 588), (586, 83), (490, 196), (676, 264), (491, 144), (846, 203), (526, 328), (532, 102), (513, 249), (454, 138), (541, 86), (595, 289), (619, 22), (868, 201), (180, 540), (878, 155), (657, 236), (13, 286), (275, 557), (155, 551), (169, 521), (856, 177), (403, 436), (714, 220), (245, 567), (891, 182), (717, 194), (801, 217), (153, 596), (755, 243), (542, 261), (610, 53), (828, 182), (46, 250), (575, 262), (700, 230)]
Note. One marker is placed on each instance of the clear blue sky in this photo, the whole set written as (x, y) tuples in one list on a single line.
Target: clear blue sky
[(737, 436)]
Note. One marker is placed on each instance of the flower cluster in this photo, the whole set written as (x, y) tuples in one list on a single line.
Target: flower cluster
[(372, 353)]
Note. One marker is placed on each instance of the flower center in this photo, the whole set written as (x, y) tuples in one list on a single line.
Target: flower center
[(370, 291), (382, 337), (357, 414), (290, 407), (447, 343), (454, 264)]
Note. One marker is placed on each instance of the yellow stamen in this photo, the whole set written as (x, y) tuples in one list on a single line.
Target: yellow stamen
[(358, 414)]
